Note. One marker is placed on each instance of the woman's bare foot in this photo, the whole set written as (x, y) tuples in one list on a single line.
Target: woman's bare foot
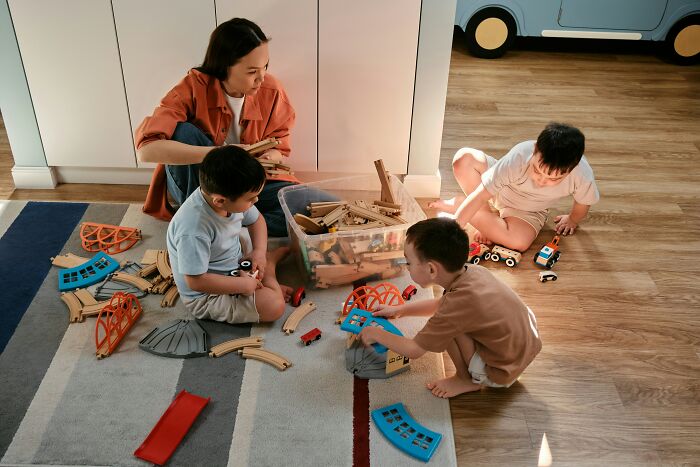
[(447, 205), (452, 386), (276, 255), (481, 238), (287, 292)]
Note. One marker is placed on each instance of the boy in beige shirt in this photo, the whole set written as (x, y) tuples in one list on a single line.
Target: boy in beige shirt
[(489, 333), (522, 186)]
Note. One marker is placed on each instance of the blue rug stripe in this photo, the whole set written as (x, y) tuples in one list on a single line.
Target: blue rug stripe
[(36, 235)]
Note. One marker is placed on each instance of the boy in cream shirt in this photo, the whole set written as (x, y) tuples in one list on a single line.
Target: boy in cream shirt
[(522, 186), (489, 333)]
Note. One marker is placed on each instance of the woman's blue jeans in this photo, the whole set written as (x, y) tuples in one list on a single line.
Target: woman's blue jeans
[(182, 180)]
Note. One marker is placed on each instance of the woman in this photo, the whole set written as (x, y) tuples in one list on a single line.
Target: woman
[(230, 99)]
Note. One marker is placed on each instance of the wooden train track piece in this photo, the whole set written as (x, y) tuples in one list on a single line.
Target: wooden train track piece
[(170, 297), (114, 321), (163, 262), (69, 260), (94, 309), (74, 307), (111, 239), (386, 195), (148, 270), (308, 224), (266, 356), (262, 146), (374, 216), (85, 297), (295, 318), (235, 344), (91, 272), (150, 257), (139, 282)]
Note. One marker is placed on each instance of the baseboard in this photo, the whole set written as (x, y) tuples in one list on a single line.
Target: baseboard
[(104, 175), (423, 186), (34, 177)]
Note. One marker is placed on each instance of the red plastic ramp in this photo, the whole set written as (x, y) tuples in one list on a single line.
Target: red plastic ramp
[(173, 425)]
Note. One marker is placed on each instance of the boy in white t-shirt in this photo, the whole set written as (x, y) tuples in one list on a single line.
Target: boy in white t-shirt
[(522, 186)]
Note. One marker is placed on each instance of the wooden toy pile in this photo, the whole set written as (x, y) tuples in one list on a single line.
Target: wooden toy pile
[(342, 259)]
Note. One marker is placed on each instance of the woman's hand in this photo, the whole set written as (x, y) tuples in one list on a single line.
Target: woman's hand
[(273, 155), (387, 311)]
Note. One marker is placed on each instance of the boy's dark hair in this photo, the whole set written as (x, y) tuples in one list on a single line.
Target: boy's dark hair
[(230, 42), (561, 147), (442, 240), (230, 171)]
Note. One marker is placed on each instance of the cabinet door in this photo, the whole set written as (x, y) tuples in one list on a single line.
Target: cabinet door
[(292, 28), (159, 41), (70, 55), (367, 63)]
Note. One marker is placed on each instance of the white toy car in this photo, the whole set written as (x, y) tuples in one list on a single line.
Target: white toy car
[(548, 276)]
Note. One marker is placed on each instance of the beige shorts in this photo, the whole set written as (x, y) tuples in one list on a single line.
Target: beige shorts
[(477, 369), (228, 308), (536, 219)]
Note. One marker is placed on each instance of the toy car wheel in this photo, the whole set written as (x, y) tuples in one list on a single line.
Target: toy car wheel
[(495, 257), (510, 262), (475, 260), (245, 265), (683, 41), (490, 33), (487, 256), (554, 278), (556, 256), (536, 256)]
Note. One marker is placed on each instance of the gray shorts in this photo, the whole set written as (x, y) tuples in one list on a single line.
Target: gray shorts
[(536, 219), (228, 308)]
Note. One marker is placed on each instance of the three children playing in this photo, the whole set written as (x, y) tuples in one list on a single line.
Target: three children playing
[(489, 333)]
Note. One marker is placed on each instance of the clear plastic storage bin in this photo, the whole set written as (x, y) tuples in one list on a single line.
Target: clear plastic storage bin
[(345, 257)]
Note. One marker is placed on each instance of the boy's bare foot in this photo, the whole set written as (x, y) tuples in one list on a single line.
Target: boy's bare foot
[(287, 292), (481, 238), (452, 386), (447, 205), (276, 255)]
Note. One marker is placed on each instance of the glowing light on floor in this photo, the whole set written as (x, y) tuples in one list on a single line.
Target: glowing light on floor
[(545, 459)]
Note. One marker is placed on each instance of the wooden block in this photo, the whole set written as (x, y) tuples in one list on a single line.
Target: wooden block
[(346, 249), (375, 216), (329, 271), (308, 224), (382, 255), (262, 146), (321, 211), (387, 195), (333, 216)]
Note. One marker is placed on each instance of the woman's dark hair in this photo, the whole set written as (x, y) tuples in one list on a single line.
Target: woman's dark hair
[(230, 171), (440, 239), (561, 146), (230, 42)]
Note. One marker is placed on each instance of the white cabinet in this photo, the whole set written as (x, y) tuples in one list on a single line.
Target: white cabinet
[(159, 41), (292, 27), (367, 62), (71, 59)]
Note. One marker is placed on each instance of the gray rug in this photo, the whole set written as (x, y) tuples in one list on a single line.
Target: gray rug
[(60, 405)]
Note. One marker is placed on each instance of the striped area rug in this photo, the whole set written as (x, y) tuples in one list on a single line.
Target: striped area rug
[(60, 405)]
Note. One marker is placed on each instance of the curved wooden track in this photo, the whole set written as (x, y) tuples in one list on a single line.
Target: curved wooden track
[(164, 264), (74, 307), (235, 344), (94, 309), (266, 356), (85, 297), (170, 296), (295, 318), (136, 281), (69, 260), (148, 270)]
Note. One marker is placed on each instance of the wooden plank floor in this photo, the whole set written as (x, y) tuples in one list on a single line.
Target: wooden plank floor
[(618, 379)]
